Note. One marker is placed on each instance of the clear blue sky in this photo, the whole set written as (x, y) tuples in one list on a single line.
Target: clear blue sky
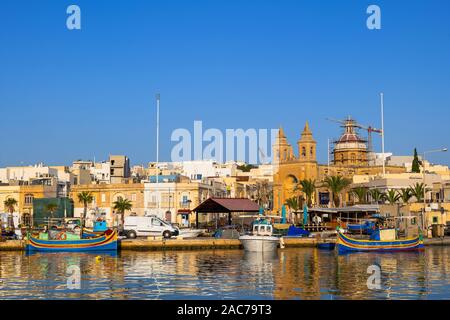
[(66, 95)]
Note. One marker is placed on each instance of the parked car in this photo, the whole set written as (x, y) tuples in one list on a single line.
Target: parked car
[(148, 226)]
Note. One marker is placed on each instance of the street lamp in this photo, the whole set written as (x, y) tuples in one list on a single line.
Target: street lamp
[(424, 185)]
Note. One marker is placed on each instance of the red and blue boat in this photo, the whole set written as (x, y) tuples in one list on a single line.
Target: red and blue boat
[(106, 242), (380, 241)]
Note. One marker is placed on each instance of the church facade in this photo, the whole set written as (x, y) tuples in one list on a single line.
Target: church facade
[(350, 157)]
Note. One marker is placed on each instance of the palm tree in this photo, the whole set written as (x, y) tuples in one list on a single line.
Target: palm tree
[(392, 196), (121, 205), (361, 194), (85, 198), (308, 187), (417, 191), (293, 204), (377, 196), (336, 184), (405, 194), (51, 208), (10, 205)]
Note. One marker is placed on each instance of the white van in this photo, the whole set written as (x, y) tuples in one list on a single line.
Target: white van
[(148, 226)]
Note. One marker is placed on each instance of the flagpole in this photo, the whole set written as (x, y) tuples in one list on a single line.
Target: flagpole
[(158, 97), (382, 133)]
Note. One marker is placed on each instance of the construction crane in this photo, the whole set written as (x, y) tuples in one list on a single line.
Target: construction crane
[(349, 122)]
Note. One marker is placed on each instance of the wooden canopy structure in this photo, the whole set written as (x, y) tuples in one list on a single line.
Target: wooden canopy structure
[(226, 205)]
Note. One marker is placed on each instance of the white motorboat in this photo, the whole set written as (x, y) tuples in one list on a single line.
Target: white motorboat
[(261, 239), (190, 233)]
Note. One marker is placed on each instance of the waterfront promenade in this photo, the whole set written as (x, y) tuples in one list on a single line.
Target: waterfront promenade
[(202, 243)]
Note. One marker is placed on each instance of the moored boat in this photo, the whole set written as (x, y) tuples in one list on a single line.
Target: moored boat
[(107, 241), (190, 233), (381, 240), (326, 245), (261, 239), (100, 227)]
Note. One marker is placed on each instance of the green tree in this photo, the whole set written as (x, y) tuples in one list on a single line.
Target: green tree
[(377, 196), (336, 184), (121, 206), (418, 191), (361, 194), (416, 163), (85, 198), (308, 187), (293, 204), (246, 167), (405, 194), (392, 196), (10, 205)]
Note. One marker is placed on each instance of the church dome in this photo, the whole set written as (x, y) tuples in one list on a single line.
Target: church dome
[(350, 139)]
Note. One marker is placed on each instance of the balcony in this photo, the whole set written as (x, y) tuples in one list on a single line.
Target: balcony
[(185, 205)]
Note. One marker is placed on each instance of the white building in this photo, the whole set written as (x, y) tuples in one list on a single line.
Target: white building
[(178, 195), (199, 170)]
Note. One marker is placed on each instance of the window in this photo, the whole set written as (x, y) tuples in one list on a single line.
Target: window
[(133, 197), (103, 197), (311, 151), (29, 199), (156, 223), (435, 220), (26, 219), (304, 151)]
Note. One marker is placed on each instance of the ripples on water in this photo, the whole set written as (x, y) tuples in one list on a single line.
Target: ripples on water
[(289, 274)]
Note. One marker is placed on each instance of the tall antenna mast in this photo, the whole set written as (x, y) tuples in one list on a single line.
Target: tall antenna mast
[(157, 150), (158, 97), (382, 132), (328, 156)]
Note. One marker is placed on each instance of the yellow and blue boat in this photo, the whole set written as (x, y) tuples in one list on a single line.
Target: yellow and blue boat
[(381, 241), (100, 227), (106, 242)]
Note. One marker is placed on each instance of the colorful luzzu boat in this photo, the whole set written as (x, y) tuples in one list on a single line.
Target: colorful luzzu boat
[(100, 227), (381, 241), (105, 242)]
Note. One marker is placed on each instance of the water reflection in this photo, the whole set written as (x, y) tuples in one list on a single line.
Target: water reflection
[(288, 274)]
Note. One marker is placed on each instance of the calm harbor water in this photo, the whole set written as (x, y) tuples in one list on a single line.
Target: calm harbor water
[(290, 274)]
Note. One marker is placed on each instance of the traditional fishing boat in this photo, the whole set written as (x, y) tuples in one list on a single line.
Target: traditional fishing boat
[(380, 240), (70, 242), (100, 227), (365, 227)]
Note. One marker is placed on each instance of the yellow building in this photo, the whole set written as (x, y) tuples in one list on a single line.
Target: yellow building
[(174, 199), (104, 197), (24, 194), (350, 157)]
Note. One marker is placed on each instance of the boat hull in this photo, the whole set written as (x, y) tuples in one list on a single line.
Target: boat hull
[(346, 244), (106, 242), (259, 243), (190, 233), (90, 233)]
